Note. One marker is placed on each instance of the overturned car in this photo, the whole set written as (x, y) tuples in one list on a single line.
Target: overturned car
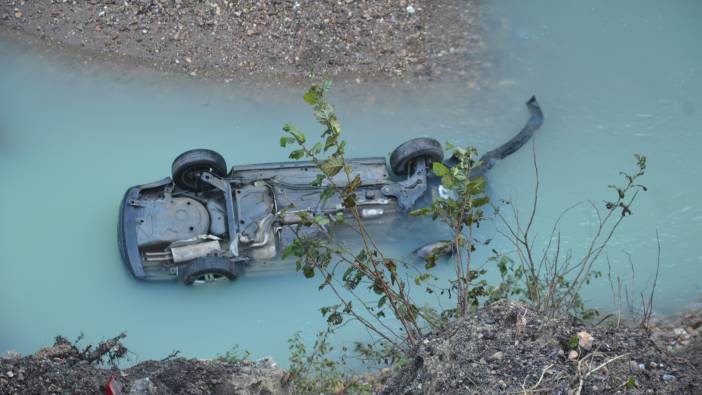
[(205, 221)]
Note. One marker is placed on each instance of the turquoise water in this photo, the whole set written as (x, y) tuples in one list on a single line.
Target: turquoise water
[(613, 79)]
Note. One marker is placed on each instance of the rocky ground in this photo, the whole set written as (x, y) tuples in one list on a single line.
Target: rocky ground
[(509, 349), (292, 40), (505, 348), (64, 369)]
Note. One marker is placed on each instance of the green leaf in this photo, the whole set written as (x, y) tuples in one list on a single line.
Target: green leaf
[(314, 95), (630, 383), (332, 166), (317, 182), (382, 301), (420, 211), (285, 140), (289, 250), (317, 148), (439, 169), (350, 200), (477, 185), (308, 271), (297, 154), (299, 136), (328, 192), (448, 181), (355, 183), (329, 142), (430, 261), (321, 220), (481, 201), (335, 126), (335, 318)]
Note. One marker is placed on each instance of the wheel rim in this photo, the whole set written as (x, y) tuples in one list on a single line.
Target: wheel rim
[(191, 177), (208, 278)]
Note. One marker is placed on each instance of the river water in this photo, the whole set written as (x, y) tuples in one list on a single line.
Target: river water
[(614, 79)]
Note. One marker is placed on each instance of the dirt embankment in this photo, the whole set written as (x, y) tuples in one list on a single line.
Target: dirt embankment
[(504, 349), (65, 369), (290, 40), (508, 349)]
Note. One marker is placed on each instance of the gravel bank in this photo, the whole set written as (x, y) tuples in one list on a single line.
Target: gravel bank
[(290, 40)]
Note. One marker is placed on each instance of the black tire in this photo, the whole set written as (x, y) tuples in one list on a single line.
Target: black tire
[(422, 147), (188, 166), (208, 269)]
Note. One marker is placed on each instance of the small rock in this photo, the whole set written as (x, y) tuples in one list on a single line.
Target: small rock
[(410, 9), (143, 387), (642, 366), (653, 365), (18, 14), (267, 362), (667, 377), (58, 351), (585, 340), (11, 354), (679, 331), (10, 374), (633, 366), (573, 355), (497, 356), (502, 384)]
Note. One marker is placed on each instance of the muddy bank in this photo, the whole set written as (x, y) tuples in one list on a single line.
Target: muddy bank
[(287, 40)]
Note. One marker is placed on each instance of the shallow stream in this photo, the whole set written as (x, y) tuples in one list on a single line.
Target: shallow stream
[(614, 79)]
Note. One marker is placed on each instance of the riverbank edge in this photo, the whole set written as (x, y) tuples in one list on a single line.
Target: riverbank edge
[(664, 358)]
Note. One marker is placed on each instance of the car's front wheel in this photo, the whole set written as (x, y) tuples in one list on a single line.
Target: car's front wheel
[(208, 269), (188, 166), (403, 157)]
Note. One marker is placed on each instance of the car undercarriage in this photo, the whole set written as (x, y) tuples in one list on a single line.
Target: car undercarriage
[(205, 222)]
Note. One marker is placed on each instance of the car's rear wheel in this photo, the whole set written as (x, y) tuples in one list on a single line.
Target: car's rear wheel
[(210, 269), (403, 157), (188, 166)]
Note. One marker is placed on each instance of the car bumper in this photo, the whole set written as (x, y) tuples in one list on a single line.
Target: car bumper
[(127, 236)]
